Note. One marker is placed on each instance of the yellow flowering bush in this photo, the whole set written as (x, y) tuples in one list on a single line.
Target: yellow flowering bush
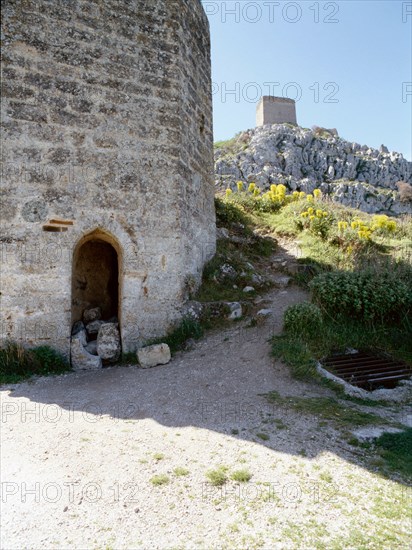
[(318, 222), (250, 196), (383, 224), (380, 224)]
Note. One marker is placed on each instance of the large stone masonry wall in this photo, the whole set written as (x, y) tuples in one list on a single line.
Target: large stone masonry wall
[(106, 124)]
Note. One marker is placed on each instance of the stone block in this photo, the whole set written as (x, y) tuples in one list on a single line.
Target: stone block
[(151, 356), (108, 342)]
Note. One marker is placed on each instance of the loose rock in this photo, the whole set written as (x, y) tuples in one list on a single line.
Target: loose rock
[(81, 359), (235, 310), (92, 314), (108, 342), (151, 356), (94, 327)]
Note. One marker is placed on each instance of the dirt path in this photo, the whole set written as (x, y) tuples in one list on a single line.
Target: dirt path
[(79, 451)]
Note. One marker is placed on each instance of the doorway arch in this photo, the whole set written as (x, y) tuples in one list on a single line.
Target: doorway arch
[(96, 276)]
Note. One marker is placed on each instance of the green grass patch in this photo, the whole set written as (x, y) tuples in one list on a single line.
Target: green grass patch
[(218, 476), (180, 472), (396, 450), (301, 347), (327, 408), (129, 358), (18, 363), (160, 479), (176, 339), (158, 456), (242, 476), (296, 354), (263, 436)]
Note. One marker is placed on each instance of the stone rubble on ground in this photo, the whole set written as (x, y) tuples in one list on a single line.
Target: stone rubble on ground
[(94, 326), (93, 314), (108, 342), (81, 359)]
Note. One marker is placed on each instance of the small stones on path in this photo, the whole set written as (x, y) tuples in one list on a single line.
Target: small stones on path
[(265, 312), (235, 310)]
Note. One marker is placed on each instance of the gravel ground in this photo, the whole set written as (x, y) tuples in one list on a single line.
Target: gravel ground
[(79, 452)]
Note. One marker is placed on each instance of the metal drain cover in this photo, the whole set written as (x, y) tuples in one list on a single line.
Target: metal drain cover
[(367, 371)]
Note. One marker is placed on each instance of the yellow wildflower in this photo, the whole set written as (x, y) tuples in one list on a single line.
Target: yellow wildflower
[(240, 186)]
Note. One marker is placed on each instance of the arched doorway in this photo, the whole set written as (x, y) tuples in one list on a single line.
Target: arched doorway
[(95, 276)]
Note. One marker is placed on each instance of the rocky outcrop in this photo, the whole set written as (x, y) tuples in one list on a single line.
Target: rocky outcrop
[(303, 159)]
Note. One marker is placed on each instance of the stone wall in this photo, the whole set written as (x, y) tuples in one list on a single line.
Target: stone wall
[(107, 131), (275, 110)]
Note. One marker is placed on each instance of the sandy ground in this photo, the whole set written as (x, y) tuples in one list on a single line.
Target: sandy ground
[(79, 451)]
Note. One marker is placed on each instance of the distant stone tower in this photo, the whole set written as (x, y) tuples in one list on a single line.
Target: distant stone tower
[(275, 110), (108, 165)]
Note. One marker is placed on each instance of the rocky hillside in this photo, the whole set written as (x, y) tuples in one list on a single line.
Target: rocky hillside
[(355, 175)]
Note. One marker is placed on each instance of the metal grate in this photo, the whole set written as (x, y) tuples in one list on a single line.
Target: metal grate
[(367, 371)]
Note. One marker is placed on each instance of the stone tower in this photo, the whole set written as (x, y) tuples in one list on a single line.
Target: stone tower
[(108, 165), (275, 110)]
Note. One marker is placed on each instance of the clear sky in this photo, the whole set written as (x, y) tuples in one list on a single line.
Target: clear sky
[(348, 64)]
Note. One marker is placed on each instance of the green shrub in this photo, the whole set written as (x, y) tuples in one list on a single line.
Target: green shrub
[(242, 476), (303, 319), (365, 295), (217, 477), (18, 362), (160, 479), (228, 213), (176, 339)]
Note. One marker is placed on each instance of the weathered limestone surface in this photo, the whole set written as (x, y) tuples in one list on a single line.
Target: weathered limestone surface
[(151, 356), (275, 110), (81, 359), (107, 123), (303, 159), (108, 342)]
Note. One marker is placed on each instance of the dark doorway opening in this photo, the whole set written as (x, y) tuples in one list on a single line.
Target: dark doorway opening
[(95, 279)]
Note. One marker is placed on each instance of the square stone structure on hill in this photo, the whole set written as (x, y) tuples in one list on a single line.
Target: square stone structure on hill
[(275, 110), (108, 165)]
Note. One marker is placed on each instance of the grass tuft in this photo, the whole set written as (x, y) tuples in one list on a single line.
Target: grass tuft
[(18, 362)]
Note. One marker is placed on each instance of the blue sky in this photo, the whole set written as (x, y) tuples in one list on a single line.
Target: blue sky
[(347, 63)]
